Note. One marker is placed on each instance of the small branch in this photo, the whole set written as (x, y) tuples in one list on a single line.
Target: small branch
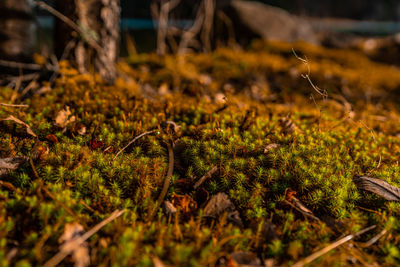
[(20, 65), (325, 250), (205, 177), (133, 140), (14, 105), (69, 247)]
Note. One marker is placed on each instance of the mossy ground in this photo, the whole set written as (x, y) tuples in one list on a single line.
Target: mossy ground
[(352, 131)]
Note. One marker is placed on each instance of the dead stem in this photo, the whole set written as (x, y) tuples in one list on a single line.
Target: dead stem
[(205, 177), (167, 180), (133, 140), (14, 105), (69, 247), (325, 250)]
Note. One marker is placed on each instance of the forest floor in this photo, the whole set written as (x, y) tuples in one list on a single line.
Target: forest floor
[(260, 157)]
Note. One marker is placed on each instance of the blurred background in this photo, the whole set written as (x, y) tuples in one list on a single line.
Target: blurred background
[(334, 23)]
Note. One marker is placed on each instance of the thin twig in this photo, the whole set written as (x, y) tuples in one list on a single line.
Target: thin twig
[(70, 246), (205, 177), (14, 105), (20, 65), (132, 141), (323, 93), (325, 250)]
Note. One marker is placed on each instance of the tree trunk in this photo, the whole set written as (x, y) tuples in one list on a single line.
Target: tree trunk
[(95, 47), (17, 30)]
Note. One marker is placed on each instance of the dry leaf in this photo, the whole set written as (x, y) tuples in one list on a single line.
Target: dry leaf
[(169, 208), (10, 164), (80, 254), (377, 186), (18, 121), (63, 118), (219, 204)]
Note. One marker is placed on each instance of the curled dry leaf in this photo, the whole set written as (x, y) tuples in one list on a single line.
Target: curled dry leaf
[(271, 147), (377, 186), (18, 121), (10, 164), (219, 204), (64, 117), (80, 254)]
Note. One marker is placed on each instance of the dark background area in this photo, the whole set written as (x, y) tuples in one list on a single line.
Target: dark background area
[(352, 9)]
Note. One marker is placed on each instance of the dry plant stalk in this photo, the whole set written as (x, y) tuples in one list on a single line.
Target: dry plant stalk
[(132, 141), (325, 250), (205, 177), (78, 241)]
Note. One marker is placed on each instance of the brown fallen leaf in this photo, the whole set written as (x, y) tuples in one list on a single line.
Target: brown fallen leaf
[(377, 186), (219, 204), (169, 208), (18, 121), (63, 118), (10, 164)]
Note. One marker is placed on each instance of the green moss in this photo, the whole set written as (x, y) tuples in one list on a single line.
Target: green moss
[(317, 160)]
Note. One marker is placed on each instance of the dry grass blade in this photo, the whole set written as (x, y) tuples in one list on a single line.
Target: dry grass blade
[(14, 119), (377, 186), (76, 242), (14, 105), (325, 250)]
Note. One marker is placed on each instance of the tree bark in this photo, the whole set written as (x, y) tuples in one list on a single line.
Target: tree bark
[(17, 30), (95, 47)]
